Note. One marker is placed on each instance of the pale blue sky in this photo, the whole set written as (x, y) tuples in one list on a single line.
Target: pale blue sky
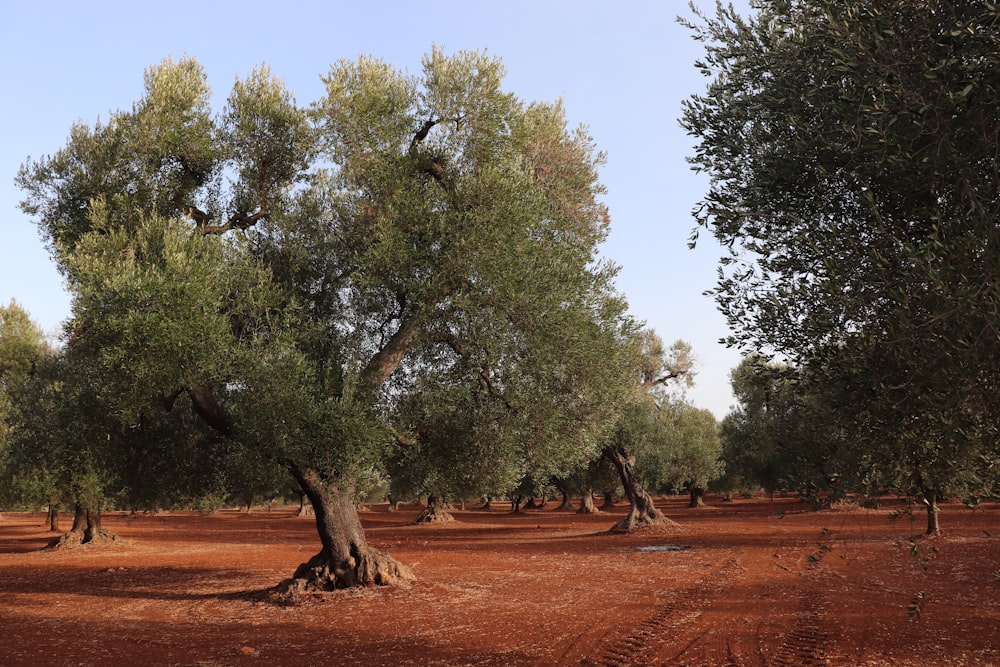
[(621, 67)]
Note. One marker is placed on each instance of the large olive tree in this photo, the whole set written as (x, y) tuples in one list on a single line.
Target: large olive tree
[(851, 151), (291, 276)]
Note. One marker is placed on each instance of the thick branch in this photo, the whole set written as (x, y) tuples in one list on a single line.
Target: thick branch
[(455, 344), (206, 407), (242, 221), (421, 134), (672, 375), (484, 372), (385, 361), (168, 401), (401, 439)]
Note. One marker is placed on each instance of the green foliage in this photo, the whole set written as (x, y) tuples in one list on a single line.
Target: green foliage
[(681, 449), (853, 179), (22, 347), (61, 438), (281, 288), (756, 435)]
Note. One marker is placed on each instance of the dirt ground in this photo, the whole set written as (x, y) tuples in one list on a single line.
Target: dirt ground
[(743, 583)]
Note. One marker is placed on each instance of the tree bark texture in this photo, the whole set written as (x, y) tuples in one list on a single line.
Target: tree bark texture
[(697, 496), (587, 505), (642, 510), (345, 559)]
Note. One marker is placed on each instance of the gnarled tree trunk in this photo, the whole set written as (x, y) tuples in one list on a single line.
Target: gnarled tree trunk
[(434, 512), (305, 507), (515, 504), (587, 505), (643, 511), (697, 495), (609, 500), (53, 518), (345, 559), (86, 529)]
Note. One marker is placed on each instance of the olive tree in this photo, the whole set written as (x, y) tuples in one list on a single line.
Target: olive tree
[(655, 370), (684, 450), (853, 178), (292, 276), (22, 347)]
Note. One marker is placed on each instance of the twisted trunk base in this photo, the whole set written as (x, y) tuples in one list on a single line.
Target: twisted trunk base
[(643, 511), (609, 501), (327, 572), (566, 505), (587, 505), (86, 529), (346, 560), (642, 514), (931, 503), (433, 513)]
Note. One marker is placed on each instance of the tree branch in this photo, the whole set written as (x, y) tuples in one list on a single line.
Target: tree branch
[(384, 362), (402, 440), (213, 414), (241, 221), (421, 134)]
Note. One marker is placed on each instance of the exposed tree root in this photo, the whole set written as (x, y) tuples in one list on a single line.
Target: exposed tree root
[(78, 538), (321, 574), (636, 520), (434, 514)]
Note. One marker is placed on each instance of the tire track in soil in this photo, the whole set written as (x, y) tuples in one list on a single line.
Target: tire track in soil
[(805, 645), (671, 631)]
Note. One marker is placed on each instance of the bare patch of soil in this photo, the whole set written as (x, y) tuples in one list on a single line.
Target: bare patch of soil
[(759, 583)]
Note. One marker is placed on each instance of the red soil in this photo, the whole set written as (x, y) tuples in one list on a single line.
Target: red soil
[(761, 583)]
